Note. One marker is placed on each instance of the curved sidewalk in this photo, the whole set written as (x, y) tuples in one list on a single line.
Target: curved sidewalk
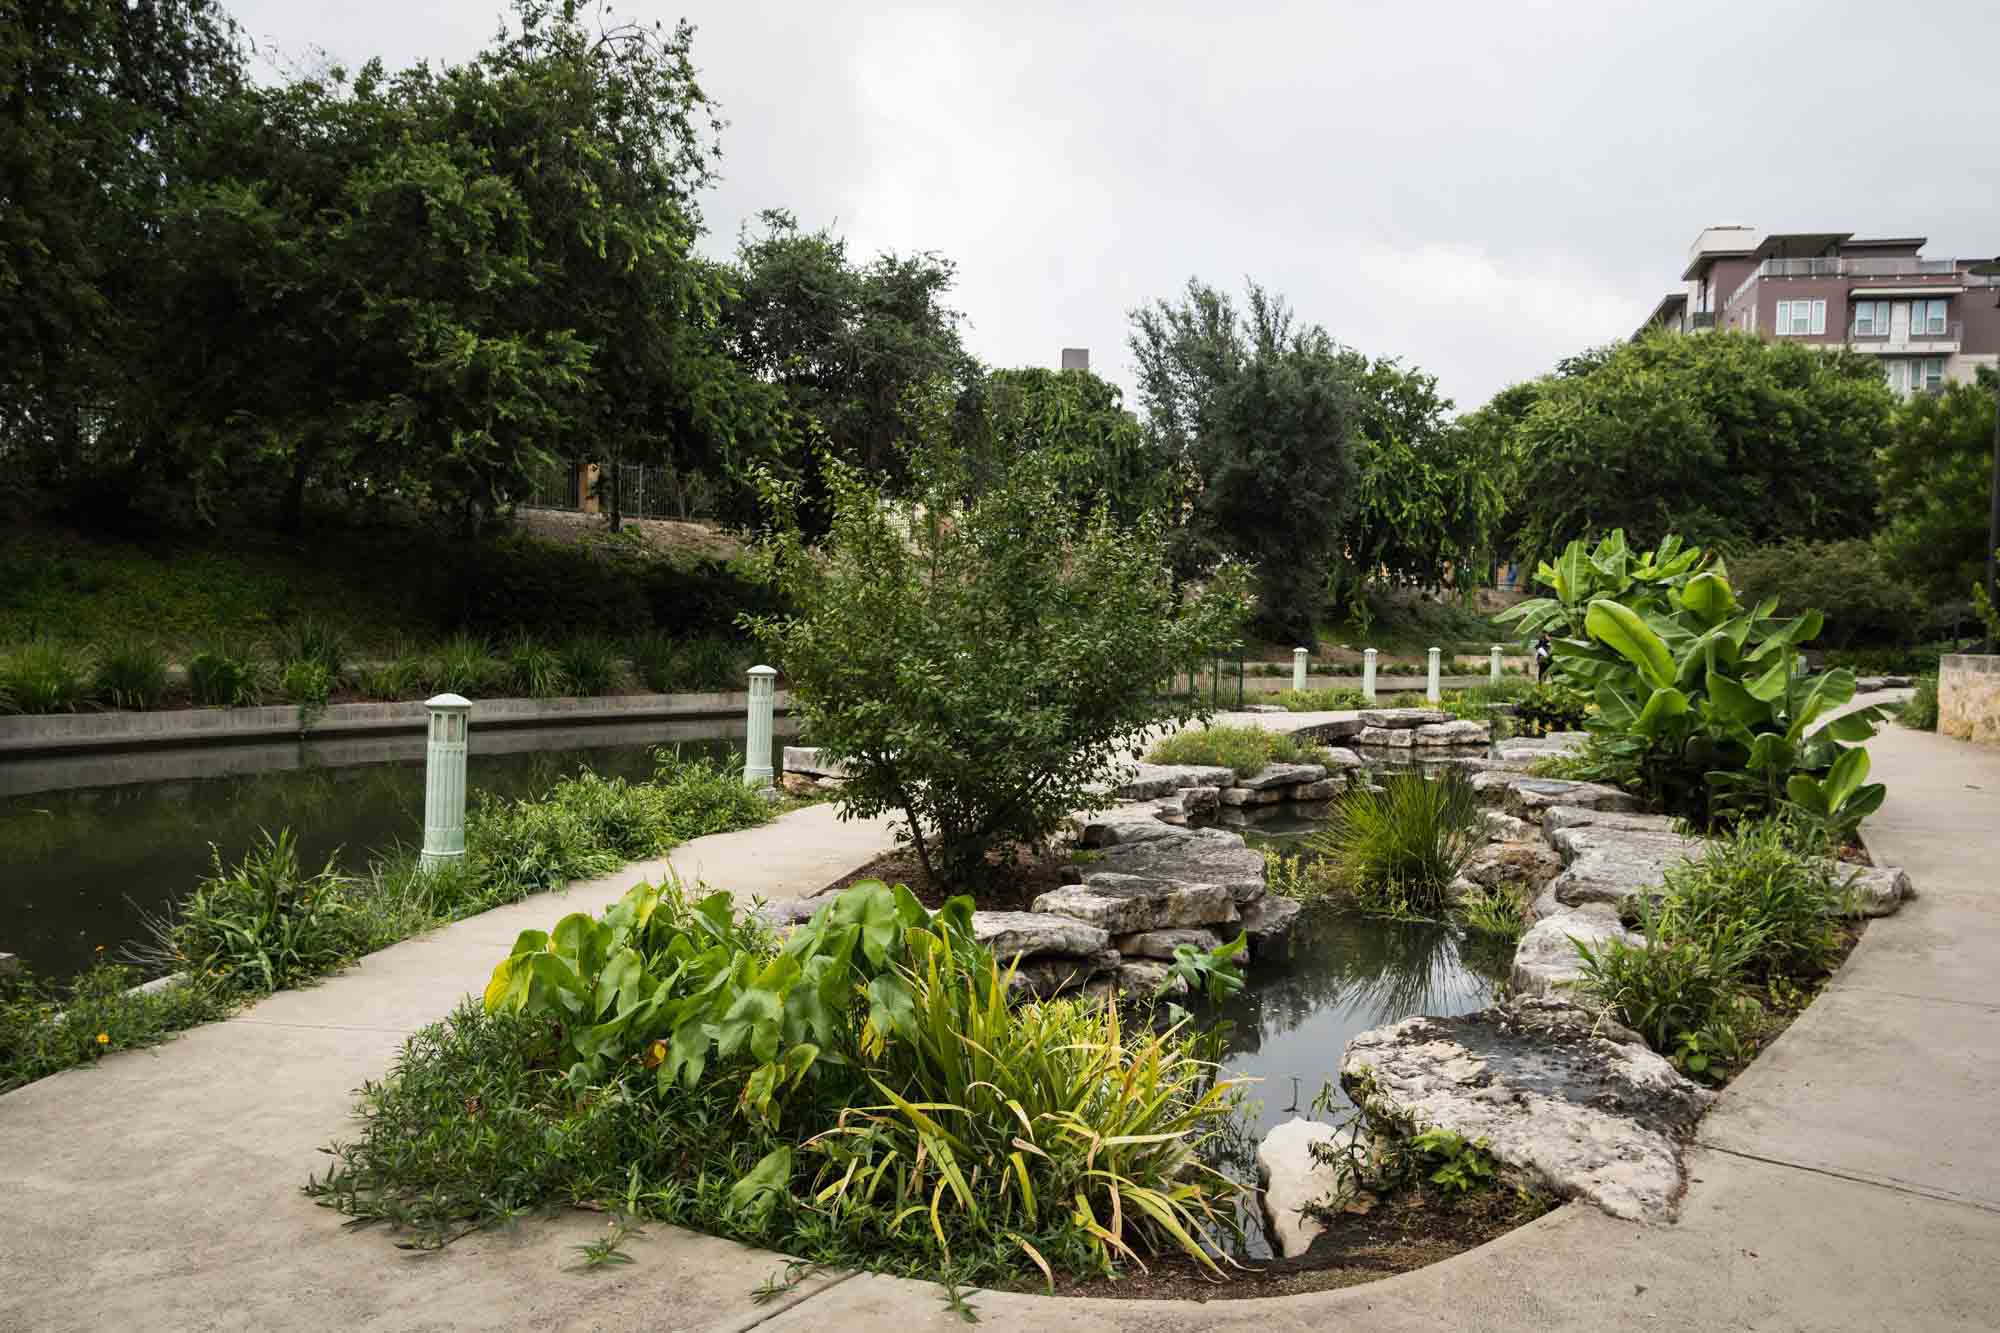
[(1848, 1180)]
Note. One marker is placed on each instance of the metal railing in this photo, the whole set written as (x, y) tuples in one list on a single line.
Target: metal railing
[(1953, 331), (1846, 266), (1701, 319)]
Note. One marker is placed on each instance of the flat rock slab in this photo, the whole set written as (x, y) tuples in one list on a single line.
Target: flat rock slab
[(1122, 824), (1463, 731), (1139, 782), (1527, 797), (1268, 924), (1294, 1181), (809, 760), (1546, 959), (1282, 775), (1013, 934), (1338, 729), (1387, 738), (1162, 943), (1507, 828), (1252, 795), (1201, 856), (1041, 978), (1403, 717), (1323, 790), (1526, 865), (1556, 818), (1580, 1114), (1125, 904), (1614, 865)]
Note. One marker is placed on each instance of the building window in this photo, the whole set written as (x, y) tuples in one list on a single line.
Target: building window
[(1801, 317), (1871, 319), (1927, 317), (1921, 374)]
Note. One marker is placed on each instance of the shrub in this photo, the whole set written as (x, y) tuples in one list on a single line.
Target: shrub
[(1496, 912), (46, 675), (1863, 599), (306, 682), (219, 675), (1542, 709), (813, 1099), (710, 663), (406, 675), (975, 671), (45, 1028), (265, 924), (1399, 849), (1670, 987), (591, 663), (1244, 750), (465, 664), (1319, 701), (131, 674), (520, 583), (1920, 711), (535, 670), (1756, 875)]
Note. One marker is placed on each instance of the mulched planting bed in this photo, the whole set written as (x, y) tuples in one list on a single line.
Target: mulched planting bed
[(1018, 878)]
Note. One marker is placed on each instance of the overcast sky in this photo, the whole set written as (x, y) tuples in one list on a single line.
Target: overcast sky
[(1476, 187)]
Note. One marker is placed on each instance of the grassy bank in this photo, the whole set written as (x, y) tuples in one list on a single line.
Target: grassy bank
[(269, 923)]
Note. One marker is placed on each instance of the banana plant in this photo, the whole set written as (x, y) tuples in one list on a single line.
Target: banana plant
[(1640, 579), (1837, 803)]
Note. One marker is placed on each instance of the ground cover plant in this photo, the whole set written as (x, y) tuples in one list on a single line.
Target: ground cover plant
[(862, 1094), (1244, 750)]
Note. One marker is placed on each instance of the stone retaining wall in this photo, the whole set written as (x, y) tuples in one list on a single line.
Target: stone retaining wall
[(1969, 697)]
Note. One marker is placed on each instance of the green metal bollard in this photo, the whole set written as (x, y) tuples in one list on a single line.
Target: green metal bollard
[(1493, 672), (1368, 675), (444, 782), (1431, 691), (757, 740), (1299, 668)]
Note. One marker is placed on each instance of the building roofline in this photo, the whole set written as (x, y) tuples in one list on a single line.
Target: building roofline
[(1799, 244), (1670, 300), (1876, 242)]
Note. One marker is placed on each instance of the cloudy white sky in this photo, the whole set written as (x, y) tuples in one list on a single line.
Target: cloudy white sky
[(1476, 186)]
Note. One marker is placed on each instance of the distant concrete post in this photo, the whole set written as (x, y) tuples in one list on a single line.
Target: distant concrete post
[(1368, 675), (1298, 668), (757, 743), (1493, 671), (444, 782), (1431, 686)]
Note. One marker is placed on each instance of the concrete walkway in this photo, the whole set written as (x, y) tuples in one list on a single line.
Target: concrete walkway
[(1849, 1180)]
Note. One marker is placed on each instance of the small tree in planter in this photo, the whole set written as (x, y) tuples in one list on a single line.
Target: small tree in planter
[(978, 664)]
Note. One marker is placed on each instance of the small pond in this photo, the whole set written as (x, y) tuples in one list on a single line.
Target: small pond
[(91, 845)]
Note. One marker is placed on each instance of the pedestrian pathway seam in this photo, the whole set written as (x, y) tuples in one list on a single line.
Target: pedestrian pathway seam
[(1987, 1005), (1889, 1183), (766, 1314)]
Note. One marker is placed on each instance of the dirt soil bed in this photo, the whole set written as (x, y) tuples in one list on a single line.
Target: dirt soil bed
[(1019, 877)]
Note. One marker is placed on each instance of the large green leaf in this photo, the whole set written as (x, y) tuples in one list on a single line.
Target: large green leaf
[(1662, 708), (1621, 628), (1848, 772), (1708, 598), (1729, 700)]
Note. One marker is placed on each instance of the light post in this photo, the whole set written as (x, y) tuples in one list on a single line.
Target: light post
[(1991, 269)]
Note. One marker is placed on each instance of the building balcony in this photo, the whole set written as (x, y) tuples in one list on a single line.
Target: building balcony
[(1931, 342), (1837, 266), (1700, 319)]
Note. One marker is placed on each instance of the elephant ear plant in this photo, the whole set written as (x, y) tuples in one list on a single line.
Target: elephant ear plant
[(1700, 701)]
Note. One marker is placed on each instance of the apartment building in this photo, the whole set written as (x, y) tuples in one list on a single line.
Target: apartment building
[(1930, 321)]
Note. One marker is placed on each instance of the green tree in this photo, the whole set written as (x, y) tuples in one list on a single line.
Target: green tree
[(1261, 414), (1080, 423), (1730, 441), (1428, 493), (977, 667), (1934, 471)]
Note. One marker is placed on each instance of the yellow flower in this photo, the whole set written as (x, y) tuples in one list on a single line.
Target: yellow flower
[(104, 1039)]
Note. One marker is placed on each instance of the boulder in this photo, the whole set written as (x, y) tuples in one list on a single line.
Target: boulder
[(1040, 978), (1338, 758), (1400, 718), (1335, 729), (1461, 732), (809, 760), (1142, 978), (1162, 943), (1282, 775), (1121, 824), (1139, 782), (1124, 904), (1202, 800), (1546, 958), (1323, 790), (1527, 749), (1251, 795), (1202, 856), (1576, 1108), (1519, 794), (1012, 934), (1507, 828), (1559, 817), (1526, 865), (1268, 923), (1397, 738), (1872, 890), (787, 913), (1293, 1182), (1611, 865)]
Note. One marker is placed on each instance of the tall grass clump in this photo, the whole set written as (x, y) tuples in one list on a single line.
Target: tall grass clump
[(264, 924), (46, 675), (222, 675), (465, 664), (1244, 750), (1397, 850), (653, 658), (131, 674), (405, 675), (591, 663), (535, 670), (306, 682), (310, 639), (1920, 710)]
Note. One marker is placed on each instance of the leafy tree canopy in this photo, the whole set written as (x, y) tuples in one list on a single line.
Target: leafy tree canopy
[(1935, 470), (1079, 422)]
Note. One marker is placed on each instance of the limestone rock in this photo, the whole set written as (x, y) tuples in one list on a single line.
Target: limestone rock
[(1609, 865), (1524, 865), (1527, 797), (1282, 775), (1203, 856), (1293, 1182), (1265, 708), (1124, 904), (1526, 750), (1557, 1098), (1041, 978), (1202, 800), (1268, 923), (1402, 717), (1162, 943), (1141, 979), (1323, 790), (1559, 817), (1546, 957), (1010, 934), (1139, 782), (1397, 738), (1460, 732), (1334, 729), (1252, 795), (1872, 890), (1507, 828), (1121, 824), (809, 760)]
